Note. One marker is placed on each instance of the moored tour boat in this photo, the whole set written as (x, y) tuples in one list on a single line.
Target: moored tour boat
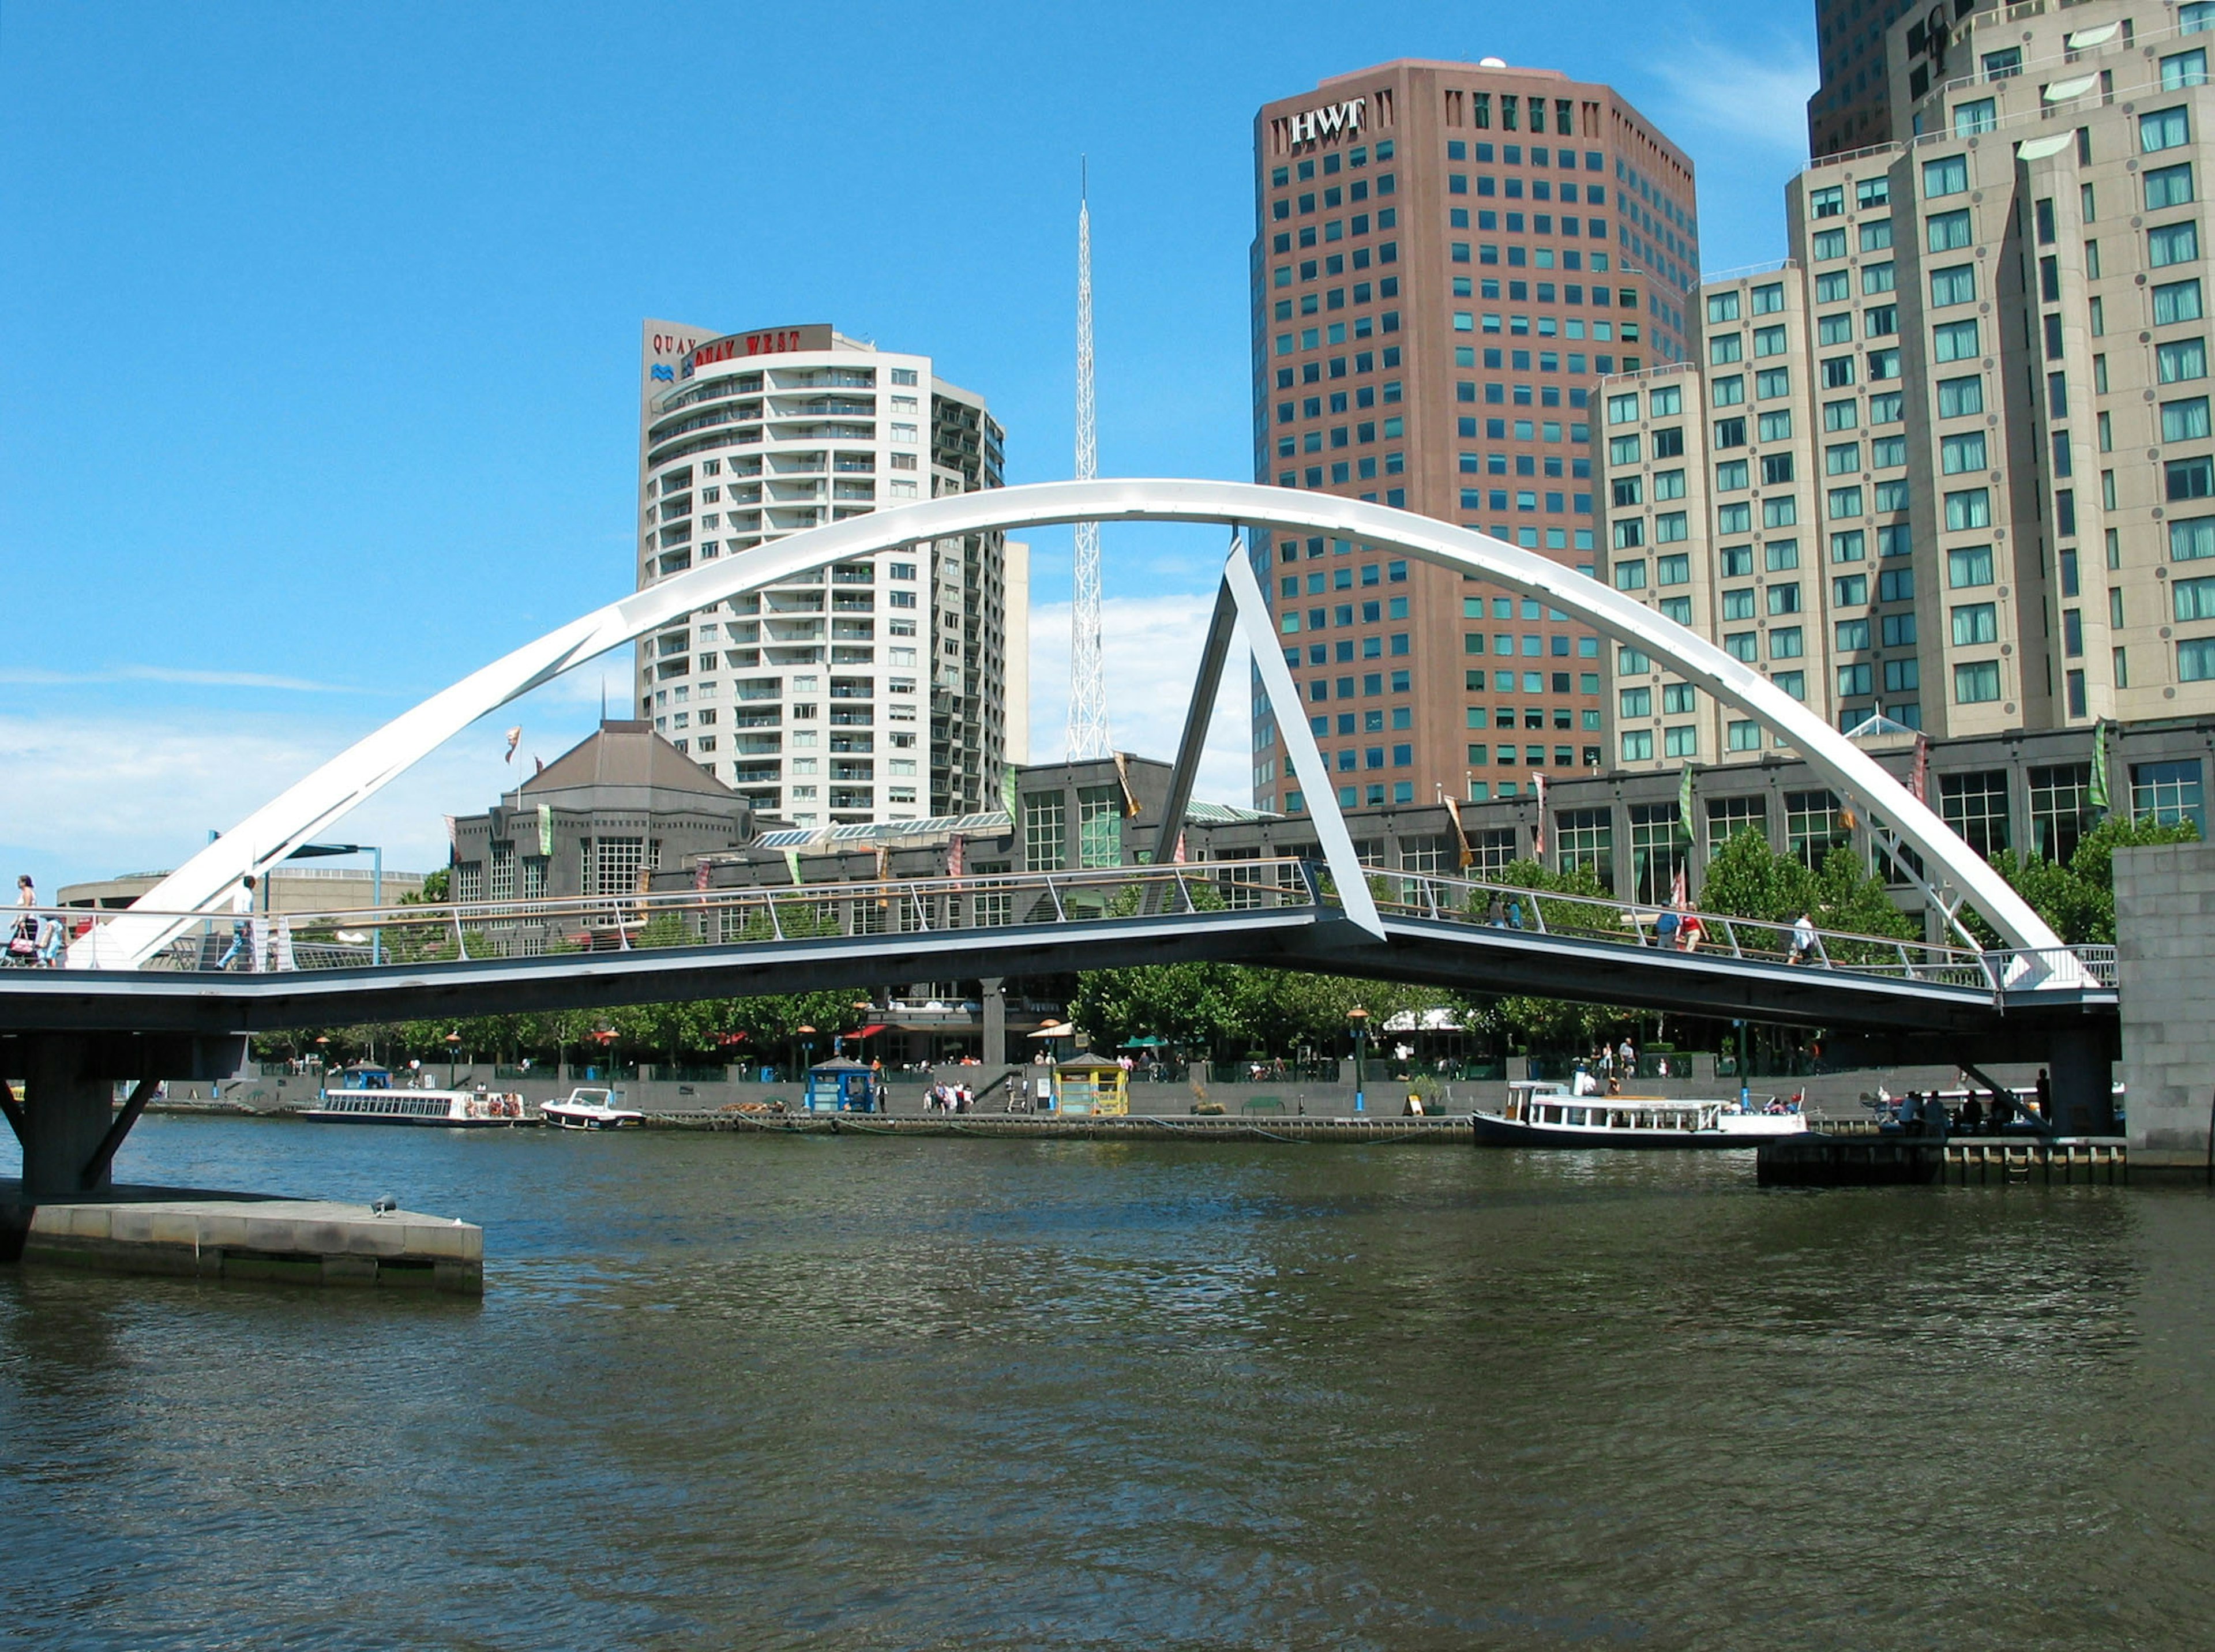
[(366, 1094), (588, 1108), (1545, 1115)]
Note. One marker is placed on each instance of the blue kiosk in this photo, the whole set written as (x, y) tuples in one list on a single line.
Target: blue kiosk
[(842, 1085)]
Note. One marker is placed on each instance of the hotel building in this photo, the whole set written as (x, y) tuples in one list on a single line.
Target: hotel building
[(894, 687), (1953, 462), (1446, 258)]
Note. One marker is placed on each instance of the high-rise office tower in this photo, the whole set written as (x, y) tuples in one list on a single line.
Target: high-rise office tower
[(1852, 108), (1446, 256), (1952, 461), (892, 687)]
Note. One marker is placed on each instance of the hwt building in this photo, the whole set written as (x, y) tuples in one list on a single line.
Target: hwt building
[(1447, 257)]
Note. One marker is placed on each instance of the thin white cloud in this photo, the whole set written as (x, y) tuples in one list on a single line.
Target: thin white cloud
[(36, 677), (1751, 94), (1151, 648)]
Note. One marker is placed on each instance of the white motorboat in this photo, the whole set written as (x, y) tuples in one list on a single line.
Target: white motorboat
[(590, 1109), (366, 1094), (1540, 1114)]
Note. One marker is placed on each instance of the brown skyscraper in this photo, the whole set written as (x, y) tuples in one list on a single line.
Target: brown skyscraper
[(1447, 255)]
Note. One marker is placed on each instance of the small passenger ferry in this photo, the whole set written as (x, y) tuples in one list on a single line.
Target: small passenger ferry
[(366, 1094), (1542, 1114), (590, 1108)]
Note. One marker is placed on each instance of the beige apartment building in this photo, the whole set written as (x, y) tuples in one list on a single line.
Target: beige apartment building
[(1951, 462), (892, 687), (1447, 257)]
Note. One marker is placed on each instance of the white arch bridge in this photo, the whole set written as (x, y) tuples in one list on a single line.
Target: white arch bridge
[(137, 974)]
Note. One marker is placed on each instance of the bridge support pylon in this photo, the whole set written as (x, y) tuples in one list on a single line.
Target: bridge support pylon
[(2080, 1066), (67, 1119)]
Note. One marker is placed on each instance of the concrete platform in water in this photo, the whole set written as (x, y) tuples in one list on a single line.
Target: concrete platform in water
[(238, 1235), (1861, 1160)]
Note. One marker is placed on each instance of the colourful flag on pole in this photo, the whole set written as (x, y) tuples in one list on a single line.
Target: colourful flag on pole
[(2099, 798), (1918, 777), (954, 850), (1684, 802), (1538, 831)]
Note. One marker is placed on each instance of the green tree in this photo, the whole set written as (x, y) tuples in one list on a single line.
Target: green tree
[(2077, 899)]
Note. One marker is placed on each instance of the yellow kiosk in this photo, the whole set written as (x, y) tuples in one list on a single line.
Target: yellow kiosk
[(1086, 1084)]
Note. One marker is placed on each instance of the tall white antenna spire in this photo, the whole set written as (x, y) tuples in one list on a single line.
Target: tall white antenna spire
[(1088, 677)]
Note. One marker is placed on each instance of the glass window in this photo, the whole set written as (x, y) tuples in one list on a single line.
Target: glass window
[(2192, 600), (1976, 682), (1970, 507), (1959, 455), (1954, 341), (2173, 243), (2165, 129), (1947, 231), (1958, 397), (2060, 809), (2176, 301), (1956, 284), (2170, 792), (2191, 539), (1975, 622), (1972, 565), (1948, 175), (1970, 119), (1976, 805), (2181, 359), (2167, 186)]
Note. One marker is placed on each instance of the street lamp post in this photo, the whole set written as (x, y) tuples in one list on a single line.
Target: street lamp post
[(1360, 1018), (807, 1050), (454, 1052)]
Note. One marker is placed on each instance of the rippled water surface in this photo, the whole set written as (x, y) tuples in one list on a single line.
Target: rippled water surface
[(840, 1393)]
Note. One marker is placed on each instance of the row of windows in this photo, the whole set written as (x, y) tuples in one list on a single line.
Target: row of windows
[(1334, 297), (1525, 464), (1364, 361), (1363, 433), (1313, 338), (1342, 472), (1356, 158), (1533, 647), (1533, 717), (1371, 686), (1333, 196), (1512, 155), (1342, 615), (1532, 757), (1371, 721), (1526, 500)]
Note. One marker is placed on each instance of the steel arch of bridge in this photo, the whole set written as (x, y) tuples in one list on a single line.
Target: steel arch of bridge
[(313, 804)]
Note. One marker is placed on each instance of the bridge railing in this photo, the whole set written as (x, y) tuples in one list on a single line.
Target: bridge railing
[(411, 935), (1465, 901)]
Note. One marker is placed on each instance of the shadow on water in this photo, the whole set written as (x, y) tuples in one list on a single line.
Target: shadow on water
[(808, 1392)]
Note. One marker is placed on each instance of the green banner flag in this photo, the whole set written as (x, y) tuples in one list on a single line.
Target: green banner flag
[(1008, 793), (2099, 799), (1684, 802)]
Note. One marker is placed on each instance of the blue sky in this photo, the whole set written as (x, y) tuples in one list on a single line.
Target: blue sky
[(318, 326)]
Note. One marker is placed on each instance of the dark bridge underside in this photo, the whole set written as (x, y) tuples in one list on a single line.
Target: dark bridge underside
[(1456, 956)]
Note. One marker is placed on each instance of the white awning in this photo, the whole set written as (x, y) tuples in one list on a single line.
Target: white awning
[(2084, 39), (2039, 149), (2075, 86)]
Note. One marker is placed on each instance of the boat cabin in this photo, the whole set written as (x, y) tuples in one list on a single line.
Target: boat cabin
[(842, 1085), (1090, 1084), (1554, 1106), (362, 1075)]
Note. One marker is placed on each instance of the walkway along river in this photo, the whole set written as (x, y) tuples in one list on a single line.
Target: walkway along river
[(801, 1391)]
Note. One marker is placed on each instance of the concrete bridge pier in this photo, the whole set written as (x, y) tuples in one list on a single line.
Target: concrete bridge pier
[(2080, 1067), (66, 1118)]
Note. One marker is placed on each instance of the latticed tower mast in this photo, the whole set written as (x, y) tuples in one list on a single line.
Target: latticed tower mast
[(1088, 677)]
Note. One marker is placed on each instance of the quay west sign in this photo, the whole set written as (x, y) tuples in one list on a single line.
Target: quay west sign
[(768, 341), (1332, 120)]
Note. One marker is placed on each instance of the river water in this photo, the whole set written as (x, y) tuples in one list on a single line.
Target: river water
[(728, 1392)]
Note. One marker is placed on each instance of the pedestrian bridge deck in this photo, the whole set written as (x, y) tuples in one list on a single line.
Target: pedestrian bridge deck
[(480, 957)]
